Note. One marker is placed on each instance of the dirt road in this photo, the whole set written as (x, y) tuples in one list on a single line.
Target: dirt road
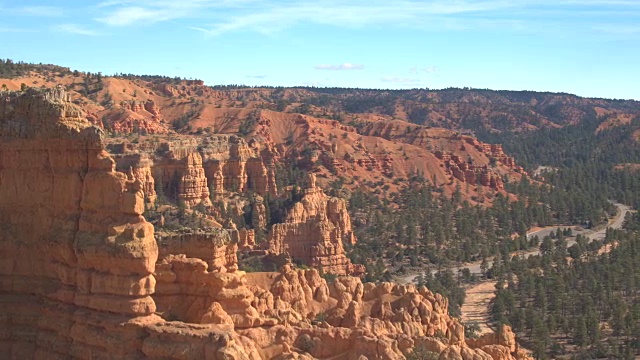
[(476, 305), (479, 296), (596, 234)]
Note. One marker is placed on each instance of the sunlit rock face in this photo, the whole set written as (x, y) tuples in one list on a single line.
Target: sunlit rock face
[(82, 276)]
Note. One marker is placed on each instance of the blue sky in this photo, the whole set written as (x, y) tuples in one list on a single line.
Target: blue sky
[(585, 47)]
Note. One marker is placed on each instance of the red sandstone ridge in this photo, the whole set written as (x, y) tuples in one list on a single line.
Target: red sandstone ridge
[(382, 153), (465, 158), (74, 236), (81, 276), (314, 231), (379, 155), (136, 117)]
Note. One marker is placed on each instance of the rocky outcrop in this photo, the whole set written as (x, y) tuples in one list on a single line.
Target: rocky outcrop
[(60, 207), (190, 169), (495, 152), (464, 158), (81, 276), (355, 320), (499, 343), (60, 191), (189, 292), (214, 246), (466, 172), (151, 107), (193, 188), (76, 256), (246, 239), (139, 165), (315, 231), (232, 165), (136, 117), (131, 125), (297, 314)]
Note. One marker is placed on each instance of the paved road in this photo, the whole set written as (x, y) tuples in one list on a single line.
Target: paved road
[(596, 234)]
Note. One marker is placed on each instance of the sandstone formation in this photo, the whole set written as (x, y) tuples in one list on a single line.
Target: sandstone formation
[(213, 246), (137, 117), (192, 188), (314, 232), (233, 165), (81, 276), (377, 151), (151, 107), (296, 313), (140, 167), (479, 174), (493, 151), (191, 169), (77, 257), (467, 159), (381, 154), (469, 173)]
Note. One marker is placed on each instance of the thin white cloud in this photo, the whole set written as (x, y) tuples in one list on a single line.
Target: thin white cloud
[(618, 29), (217, 17), (394, 79), (257, 76), (125, 12), (347, 14), (74, 29), (37, 11), (112, 3), (429, 70), (14, 30), (344, 66), (135, 15)]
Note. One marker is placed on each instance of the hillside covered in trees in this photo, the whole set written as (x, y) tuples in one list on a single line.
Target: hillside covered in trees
[(581, 302), (432, 178)]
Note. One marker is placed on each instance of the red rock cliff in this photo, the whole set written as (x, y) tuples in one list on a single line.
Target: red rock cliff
[(76, 256), (315, 231), (79, 276), (189, 168)]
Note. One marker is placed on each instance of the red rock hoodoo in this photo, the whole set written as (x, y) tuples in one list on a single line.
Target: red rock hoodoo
[(81, 275), (314, 232)]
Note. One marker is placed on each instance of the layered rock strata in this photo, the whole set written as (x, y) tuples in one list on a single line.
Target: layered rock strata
[(76, 256), (80, 275), (137, 117), (465, 158), (192, 188), (190, 169), (214, 246), (140, 165), (314, 232), (315, 229), (468, 173)]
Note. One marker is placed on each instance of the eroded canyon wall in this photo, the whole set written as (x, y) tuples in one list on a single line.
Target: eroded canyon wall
[(190, 169), (81, 276), (314, 231), (77, 257)]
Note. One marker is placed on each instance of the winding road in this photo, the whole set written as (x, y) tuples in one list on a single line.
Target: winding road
[(593, 234), (479, 296)]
